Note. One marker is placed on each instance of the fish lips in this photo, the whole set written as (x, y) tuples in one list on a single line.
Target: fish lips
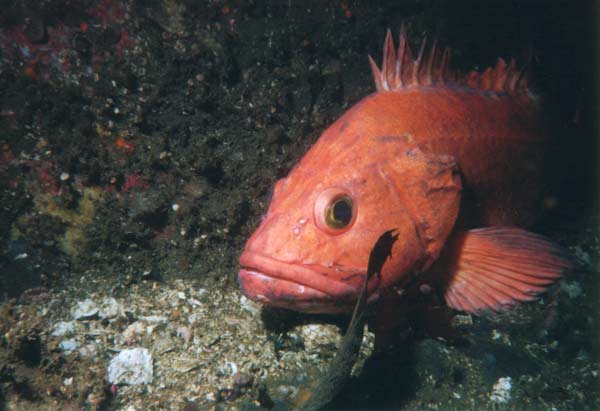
[(305, 288)]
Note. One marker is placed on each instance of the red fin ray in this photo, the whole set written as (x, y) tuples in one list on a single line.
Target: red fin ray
[(400, 70), (543, 271), (507, 287), (508, 277), (498, 267), (492, 294), (484, 296)]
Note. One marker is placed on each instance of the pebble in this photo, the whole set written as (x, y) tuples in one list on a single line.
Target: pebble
[(249, 305), (315, 336), (131, 366), (134, 330), (68, 345), (154, 319), (89, 351), (110, 308), (572, 289), (583, 256), (185, 333), (84, 309), (186, 364), (163, 344), (501, 390), (63, 328)]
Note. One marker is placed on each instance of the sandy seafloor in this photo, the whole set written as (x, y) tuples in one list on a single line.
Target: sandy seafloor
[(139, 141)]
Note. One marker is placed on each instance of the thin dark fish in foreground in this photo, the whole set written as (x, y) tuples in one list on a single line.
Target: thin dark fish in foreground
[(321, 392)]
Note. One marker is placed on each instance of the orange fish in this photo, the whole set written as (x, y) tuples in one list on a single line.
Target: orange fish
[(453, 163)]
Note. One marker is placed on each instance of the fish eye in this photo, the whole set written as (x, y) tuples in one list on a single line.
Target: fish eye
[(339, 213), (335, 211)]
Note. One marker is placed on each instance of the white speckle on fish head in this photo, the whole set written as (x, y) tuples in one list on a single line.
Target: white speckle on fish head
[(297, 228)]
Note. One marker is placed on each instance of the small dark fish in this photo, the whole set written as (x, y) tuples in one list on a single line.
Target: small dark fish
[(320, 393)]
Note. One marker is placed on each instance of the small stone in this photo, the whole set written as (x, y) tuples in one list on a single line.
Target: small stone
[(89, 351), (573, 289), (195, 318), (110, 308), (84, 309), (317, 336), (185, 333), (583, 256), (154, 319), (460, 320), (501, 390), (163, 344), (249, 305), (68, 345), (186, 364), (132, 366), (63, 328), (133, 331)]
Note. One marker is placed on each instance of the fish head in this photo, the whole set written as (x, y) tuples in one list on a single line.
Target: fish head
[(311, 250)]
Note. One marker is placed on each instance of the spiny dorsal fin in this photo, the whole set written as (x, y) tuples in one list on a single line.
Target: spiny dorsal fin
[(399, 70)]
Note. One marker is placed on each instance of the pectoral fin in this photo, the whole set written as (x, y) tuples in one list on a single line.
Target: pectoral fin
[(498, 267)]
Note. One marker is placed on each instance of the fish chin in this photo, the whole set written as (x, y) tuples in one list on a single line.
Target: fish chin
[(295, 286)]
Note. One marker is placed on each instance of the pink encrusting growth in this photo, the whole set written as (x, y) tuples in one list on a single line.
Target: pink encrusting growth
[(54, 53)]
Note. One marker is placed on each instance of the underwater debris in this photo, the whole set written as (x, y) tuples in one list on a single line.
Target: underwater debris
[(110, 308), (84, 309), (501, 390), (68, 345), (63, 328), (132, 366)]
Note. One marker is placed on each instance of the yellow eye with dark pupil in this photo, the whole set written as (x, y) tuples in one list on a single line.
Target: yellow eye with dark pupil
[(339, 213)]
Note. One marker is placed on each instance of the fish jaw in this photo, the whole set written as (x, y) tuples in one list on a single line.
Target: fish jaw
[(298, 287)]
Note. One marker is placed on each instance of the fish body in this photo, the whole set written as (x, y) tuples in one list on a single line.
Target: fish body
[(495, 139), (432, 156)]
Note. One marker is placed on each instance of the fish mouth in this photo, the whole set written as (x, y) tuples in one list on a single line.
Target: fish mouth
[(299, 287)]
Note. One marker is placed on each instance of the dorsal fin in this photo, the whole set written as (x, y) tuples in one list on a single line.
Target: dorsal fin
[(400, 70)]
